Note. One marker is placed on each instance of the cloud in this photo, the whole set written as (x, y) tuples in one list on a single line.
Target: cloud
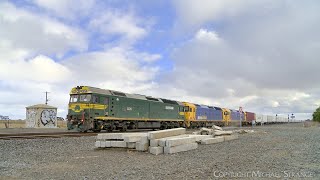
[(117, 69), (146, 57), (67, 9), (26, 31), (194, 14), (16, 95), (205, 35), (114, 68), (268, 52), (125, 25), (31, 43), (39, 69), (262, 55)]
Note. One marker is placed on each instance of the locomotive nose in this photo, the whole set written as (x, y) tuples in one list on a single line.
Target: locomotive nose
[(77, 108)]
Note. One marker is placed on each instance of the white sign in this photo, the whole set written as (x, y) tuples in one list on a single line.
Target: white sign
[(170, 107), (202, 117)]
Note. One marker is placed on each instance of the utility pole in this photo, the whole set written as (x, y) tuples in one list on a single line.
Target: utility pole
[(47, 97), (241, 112)]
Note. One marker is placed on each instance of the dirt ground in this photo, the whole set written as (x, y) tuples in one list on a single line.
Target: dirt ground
[(288, 151), (11, 124)]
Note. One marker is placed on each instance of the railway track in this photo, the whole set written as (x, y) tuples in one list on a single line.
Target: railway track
[(29, 135), (10, 136)]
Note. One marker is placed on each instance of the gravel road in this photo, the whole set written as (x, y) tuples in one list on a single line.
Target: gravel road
[(274, 151)]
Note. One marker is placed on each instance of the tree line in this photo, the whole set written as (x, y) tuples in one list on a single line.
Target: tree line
[(316, 115)]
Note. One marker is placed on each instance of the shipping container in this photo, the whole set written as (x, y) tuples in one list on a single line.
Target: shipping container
[(281, 119), (250, 116), (264, 118), (259, 118), (271, 119)]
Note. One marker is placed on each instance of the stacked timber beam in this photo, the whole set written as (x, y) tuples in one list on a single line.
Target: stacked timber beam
[(165, 141)]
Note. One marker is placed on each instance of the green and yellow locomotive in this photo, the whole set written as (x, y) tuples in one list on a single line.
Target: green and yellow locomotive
[(98, 109)]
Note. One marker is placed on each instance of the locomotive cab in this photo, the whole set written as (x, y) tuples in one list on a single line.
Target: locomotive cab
[(79, 109), (189, 113), (226, 115), (83, 107)]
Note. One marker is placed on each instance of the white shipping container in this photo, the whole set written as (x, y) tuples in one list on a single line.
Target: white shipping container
[(259, 118), (271, 119), (264, 118)]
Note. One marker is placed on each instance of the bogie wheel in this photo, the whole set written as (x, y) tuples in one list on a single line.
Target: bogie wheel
[(111, 128), (81, 128), (163, 126), (97, 127), (124, 128)]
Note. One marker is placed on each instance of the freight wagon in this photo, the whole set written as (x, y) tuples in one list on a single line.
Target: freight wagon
[(259, 119), (250, 117)]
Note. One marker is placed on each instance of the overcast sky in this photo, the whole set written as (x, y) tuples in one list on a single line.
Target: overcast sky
[(261, 55)]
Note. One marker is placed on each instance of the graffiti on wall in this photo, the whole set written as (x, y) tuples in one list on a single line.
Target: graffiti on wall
[(48, 117), (31, 118)]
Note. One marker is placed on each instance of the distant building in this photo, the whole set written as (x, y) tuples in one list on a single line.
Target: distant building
[(41, 116)]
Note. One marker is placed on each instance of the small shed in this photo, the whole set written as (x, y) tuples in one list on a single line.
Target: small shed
[(41, 116)]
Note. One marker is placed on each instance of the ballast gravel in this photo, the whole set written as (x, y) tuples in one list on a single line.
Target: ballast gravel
[(287, 151)]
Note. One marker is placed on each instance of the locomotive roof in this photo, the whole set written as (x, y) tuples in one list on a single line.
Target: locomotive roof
[(89, 89)]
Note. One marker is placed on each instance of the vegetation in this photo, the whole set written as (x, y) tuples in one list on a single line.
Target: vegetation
[(22, 124), (316, 115)]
